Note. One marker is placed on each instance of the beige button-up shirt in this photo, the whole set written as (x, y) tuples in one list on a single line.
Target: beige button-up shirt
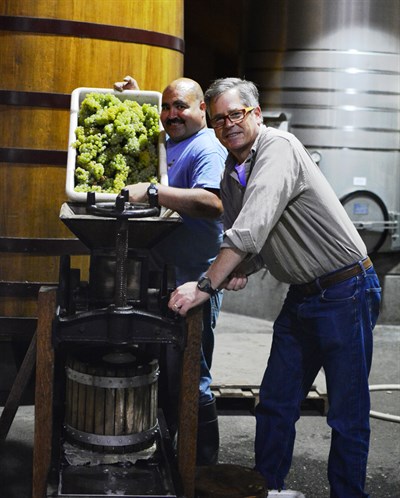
[(288, 214)]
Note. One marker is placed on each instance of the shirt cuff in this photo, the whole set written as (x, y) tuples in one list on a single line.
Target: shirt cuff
[(239, 239)]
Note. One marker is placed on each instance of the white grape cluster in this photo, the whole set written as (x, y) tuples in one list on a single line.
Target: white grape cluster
[(116, 143)]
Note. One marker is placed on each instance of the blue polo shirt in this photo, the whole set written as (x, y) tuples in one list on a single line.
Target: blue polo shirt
[(197, 162)]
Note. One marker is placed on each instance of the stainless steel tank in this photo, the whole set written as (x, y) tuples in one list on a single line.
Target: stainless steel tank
[(333, 68)]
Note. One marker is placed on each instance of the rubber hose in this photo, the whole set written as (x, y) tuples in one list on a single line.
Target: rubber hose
[(380, 415)]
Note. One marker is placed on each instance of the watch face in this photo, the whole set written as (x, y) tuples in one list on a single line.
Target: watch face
[(204, 284)]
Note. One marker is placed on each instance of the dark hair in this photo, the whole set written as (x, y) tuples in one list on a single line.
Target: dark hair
[(247, 91)]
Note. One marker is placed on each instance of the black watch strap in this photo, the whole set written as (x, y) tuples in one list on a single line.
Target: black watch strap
[(204, 284), (152, 194)]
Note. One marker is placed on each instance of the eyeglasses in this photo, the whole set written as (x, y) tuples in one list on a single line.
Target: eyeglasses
[(234, 117)]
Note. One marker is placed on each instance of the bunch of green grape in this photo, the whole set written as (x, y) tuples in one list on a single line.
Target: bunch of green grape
[(116, 143)]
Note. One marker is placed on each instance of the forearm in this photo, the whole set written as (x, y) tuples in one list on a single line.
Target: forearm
[(224, 265), (188, 295), (196, 202)]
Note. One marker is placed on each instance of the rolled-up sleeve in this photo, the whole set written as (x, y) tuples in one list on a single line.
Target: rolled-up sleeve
[(241, 239)]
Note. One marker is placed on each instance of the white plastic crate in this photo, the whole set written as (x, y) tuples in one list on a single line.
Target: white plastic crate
[(77, 96)]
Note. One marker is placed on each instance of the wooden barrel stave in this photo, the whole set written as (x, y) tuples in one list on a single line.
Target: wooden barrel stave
[(93, 410)]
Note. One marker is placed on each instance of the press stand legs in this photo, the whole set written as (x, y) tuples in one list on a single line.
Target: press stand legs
[(188, 413)]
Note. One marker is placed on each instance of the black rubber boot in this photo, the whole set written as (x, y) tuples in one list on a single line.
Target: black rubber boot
[(208, 434)]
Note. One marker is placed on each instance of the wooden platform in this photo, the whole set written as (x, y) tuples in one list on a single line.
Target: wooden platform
[(244, 398)]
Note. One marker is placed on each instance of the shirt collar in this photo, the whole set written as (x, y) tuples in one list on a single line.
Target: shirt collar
[(231, 160)]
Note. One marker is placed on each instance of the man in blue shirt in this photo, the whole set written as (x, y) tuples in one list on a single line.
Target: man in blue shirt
[(195, 161)]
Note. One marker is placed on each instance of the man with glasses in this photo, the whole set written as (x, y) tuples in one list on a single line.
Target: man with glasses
[(195, 161), (280, 212)]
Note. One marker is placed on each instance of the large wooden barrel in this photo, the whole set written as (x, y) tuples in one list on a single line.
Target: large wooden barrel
[(111, 400), (48, 48)]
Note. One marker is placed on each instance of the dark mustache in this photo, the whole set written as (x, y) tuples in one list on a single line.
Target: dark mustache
[(175, 120)]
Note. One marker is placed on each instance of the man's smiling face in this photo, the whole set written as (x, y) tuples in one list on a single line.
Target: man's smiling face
[(238, 138), (182, 113)]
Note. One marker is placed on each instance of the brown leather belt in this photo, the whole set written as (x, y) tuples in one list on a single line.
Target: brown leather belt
[(316, 285)]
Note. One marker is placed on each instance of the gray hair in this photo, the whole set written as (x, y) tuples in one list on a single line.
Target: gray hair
[(247, 91)]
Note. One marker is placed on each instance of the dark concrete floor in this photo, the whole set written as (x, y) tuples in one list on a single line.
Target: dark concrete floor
[(244, 342)]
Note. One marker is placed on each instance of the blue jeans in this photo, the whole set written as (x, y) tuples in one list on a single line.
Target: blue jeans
[(210, 314), (332, 330)]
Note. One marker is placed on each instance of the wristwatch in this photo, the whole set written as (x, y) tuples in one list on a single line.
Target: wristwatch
[(204, 284), (152, 193)]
